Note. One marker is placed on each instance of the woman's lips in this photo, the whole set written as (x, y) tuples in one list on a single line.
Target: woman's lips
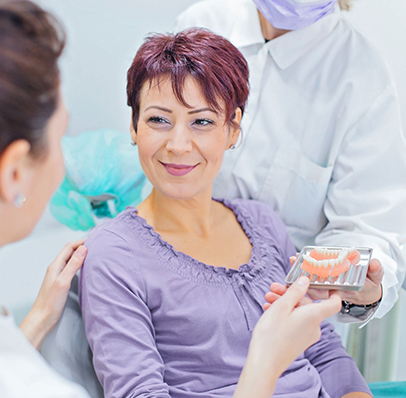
[(178, 169)]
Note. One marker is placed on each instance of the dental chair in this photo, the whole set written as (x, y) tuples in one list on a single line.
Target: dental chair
[(66, 348)]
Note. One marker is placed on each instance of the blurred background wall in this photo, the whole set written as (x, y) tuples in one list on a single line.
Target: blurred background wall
[(103, 37)]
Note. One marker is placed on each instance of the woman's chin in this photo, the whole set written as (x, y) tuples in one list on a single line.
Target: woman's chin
[(179, 192)]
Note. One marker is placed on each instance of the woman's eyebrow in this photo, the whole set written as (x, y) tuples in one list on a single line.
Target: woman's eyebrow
[(160, 108), (202, 110)]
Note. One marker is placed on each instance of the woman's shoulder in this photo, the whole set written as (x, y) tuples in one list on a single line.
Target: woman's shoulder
[(127, 236), (262, 223), (120, 226), (259, 214), (126, 232)]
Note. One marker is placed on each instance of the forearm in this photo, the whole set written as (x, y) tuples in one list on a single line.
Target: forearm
[(34, 328), (357, 395), (256, 381)]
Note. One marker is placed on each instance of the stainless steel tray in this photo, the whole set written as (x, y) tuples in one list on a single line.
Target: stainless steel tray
[(353, 279)]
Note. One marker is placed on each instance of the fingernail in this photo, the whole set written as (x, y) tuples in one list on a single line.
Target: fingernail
[(303, 281), (81, 251)]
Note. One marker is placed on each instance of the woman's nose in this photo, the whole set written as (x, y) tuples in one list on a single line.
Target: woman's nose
[(179, 141)]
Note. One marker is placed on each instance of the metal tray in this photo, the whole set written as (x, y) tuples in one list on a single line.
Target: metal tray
[(353, 279)]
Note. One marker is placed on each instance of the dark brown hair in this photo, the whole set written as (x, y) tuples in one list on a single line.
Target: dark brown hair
[(217, 66), (31, 41)]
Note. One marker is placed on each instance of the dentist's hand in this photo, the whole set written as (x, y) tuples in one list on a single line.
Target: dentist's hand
[(51, 299), (372, 290), (276, 342)]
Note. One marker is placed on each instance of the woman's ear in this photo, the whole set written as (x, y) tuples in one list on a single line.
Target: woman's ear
[(14, 170), (235, 128)]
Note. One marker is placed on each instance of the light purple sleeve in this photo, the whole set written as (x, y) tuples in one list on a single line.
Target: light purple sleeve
[(117, 320), (334, 365)]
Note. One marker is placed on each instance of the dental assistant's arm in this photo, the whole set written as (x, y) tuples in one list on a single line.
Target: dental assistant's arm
[(366, 200), (51, 299)]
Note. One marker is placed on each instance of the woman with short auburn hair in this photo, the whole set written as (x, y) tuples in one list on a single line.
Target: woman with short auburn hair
[(171, 290)]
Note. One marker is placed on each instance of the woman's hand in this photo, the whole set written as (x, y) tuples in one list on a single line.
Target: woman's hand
[(51, 299), (283, 332), (278, 290)]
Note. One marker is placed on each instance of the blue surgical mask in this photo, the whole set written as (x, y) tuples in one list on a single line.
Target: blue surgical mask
[(294, 14)]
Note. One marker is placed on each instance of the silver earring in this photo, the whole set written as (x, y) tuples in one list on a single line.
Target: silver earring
[(19, 200), (232, 147), (133, 143)]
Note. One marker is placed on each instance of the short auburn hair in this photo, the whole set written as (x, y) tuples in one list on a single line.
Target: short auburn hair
[(217, 66)]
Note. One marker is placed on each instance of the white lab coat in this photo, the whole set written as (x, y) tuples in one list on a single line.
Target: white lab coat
[(322, 139), (24, 373)]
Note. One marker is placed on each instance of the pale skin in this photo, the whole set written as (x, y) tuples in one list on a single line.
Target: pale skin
[(171, 137), (37, 178), (372, 290), (181, 209)]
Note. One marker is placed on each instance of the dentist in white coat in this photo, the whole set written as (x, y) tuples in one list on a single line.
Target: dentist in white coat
[(325, 146)]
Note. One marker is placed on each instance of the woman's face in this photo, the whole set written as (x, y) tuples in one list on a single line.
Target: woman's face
[(181, 149)]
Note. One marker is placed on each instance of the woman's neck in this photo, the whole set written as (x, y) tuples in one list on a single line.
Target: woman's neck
[(268, 31), (195, 215)]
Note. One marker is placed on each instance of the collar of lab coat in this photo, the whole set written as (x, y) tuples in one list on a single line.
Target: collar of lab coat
[(285, 49)]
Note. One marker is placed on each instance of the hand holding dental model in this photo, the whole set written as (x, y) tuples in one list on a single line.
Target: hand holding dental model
[(277, 328), (51, 299), (370, 293)]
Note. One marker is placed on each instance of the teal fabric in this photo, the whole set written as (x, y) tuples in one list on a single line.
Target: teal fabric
[(390, 389), (103, 177)]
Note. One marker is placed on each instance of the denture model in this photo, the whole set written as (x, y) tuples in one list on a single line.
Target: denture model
[(325, 262)]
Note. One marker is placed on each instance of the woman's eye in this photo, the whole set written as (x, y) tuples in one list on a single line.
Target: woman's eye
[(157, 120), (203, 122)]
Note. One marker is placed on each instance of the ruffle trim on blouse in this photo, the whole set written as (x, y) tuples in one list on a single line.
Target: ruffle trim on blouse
[(197, 271)]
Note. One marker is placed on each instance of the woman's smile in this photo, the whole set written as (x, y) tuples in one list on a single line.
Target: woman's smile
[(178, 169)]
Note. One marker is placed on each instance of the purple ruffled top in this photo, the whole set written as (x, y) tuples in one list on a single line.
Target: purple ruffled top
[(163, 324)]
